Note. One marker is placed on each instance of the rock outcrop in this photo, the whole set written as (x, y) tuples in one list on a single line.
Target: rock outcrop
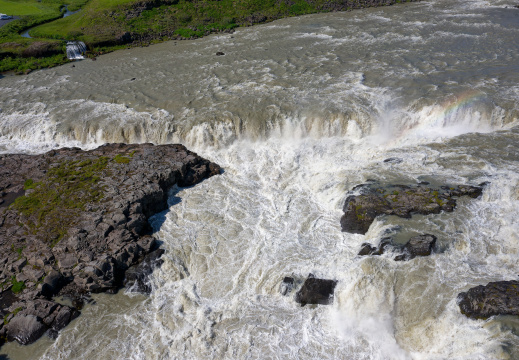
[(316, 291), (496, 298), (400, 200), (420, 245), (72, 222)]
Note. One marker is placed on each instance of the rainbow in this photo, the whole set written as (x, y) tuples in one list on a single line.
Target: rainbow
[(436, 121), (466, 98)]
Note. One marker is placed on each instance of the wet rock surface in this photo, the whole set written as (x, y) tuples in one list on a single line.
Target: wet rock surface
[(496, 298), (316, 291), (137, 276), (287, 285), (400, 200), (420, 245), (76, 221)]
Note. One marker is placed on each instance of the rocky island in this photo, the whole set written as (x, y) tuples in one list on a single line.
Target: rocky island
[(400, 200), (72, 222)]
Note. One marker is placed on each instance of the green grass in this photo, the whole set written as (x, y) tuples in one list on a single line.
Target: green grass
[(19, 8), (106, 25)]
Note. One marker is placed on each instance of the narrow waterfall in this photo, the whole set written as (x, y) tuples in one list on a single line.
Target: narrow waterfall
[(75, 50)]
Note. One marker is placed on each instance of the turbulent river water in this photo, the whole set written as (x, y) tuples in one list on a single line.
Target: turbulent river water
[(298, 112)]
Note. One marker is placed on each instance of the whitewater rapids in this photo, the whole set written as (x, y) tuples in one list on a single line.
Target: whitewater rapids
[(298, 112)]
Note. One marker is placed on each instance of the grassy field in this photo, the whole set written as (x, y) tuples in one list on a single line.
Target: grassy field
[(21, 7), (105, 25)]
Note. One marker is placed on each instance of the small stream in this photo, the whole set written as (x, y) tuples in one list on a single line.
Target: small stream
[(75, 49), (66, 13)]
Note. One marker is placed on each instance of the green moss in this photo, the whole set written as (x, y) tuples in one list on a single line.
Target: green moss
[(121, 159), (18, 286), (18, 251), (57, 200), (16, 311), (28, 184), (358, 212)]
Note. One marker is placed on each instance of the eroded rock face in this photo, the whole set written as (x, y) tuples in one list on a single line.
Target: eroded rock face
[(72, 222), (496, 298), (400, 200), (316, 291)]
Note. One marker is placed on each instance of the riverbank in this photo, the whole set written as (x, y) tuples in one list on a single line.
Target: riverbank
[(105, 27)]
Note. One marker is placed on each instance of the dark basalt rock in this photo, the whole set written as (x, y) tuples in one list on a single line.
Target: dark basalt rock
[(316, 291), (39, 316), (383, 246), (286, 285), (52, 283), (421, 245), (393, 160), (496, 298), (367, 249), (137, 276), (73, 248), (25, 329), (361, 210)]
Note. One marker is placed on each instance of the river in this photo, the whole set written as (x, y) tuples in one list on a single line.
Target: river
[(298, 112)]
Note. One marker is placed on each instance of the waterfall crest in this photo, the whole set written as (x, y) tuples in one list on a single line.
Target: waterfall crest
[(75, 50)]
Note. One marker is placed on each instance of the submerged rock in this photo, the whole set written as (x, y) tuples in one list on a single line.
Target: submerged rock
[(286, 285), (400, 200), (368, 249), (77, 220), (316, 291), (496, 298)]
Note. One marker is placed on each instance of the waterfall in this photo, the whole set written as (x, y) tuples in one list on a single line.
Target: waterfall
[(75, 50)]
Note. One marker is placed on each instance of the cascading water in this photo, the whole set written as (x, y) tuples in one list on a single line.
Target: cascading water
[(75, 50), (298, 112)]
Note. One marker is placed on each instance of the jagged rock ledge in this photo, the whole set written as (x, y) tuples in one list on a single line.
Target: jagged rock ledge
[(72, 222), (401, 200), (496, 298)]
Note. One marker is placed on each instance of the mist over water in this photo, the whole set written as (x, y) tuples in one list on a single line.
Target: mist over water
[(298, 112)]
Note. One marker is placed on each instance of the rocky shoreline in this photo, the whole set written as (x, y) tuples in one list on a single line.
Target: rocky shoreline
[(73, 222)]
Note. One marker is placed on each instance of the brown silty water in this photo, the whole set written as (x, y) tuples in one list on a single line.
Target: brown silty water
[(298, 112)]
